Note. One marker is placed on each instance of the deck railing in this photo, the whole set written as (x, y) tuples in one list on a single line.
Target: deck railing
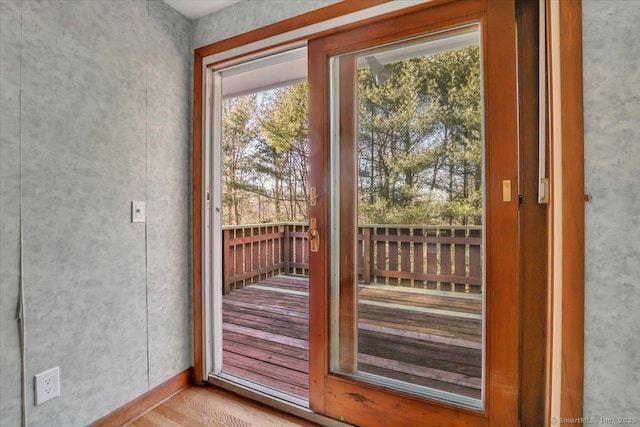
[(442, 257)]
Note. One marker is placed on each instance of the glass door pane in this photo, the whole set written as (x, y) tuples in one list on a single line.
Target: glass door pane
[(407, 207)]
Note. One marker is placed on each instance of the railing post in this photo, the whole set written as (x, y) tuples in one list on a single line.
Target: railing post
[(286, 248), (367, 255)]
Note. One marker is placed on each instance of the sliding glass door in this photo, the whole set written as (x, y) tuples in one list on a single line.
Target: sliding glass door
[(412, 242), (415, 161), (407, 207)]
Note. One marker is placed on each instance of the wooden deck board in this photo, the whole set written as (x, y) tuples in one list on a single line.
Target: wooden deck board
[(265, 334)]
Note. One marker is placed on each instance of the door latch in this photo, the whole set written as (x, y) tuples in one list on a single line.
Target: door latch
[(313, 235)]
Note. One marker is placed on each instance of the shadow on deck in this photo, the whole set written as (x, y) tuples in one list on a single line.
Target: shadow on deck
[(426, 337)]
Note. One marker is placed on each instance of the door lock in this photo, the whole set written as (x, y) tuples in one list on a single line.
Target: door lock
[(313, 235)]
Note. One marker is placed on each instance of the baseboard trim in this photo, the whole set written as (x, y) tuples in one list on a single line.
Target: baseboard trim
[(146, 402)]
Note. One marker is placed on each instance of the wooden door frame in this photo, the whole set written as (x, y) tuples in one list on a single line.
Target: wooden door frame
[(570, 194), (535, 222), (567, 247)]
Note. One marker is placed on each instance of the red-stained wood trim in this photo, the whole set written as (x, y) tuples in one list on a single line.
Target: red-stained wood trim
[(535, 229), (146, 402), (300, 21), (572, 199), (410, 23), (196, 220), (502, 237), (318, 261), (371, 406)]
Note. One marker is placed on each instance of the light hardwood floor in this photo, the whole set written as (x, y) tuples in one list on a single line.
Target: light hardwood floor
[(210, 406)]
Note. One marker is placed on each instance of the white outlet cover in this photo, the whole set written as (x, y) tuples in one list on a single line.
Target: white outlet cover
[(47, 385)]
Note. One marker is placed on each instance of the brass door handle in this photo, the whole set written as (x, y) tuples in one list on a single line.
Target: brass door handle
[(313, 235)]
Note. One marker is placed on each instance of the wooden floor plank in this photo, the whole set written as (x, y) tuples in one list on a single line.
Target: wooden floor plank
[(271, 309), (426, 337), (421, 300), (280, 360), (426, 382), (428, 357), (154, 419), (264, 380), (278, 373), (277, 338), (269, 322), (267, 346), (182, 416), (256, 413), (210, 406)]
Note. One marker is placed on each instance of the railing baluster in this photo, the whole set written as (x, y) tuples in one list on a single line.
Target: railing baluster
[(367, 254), (445, 259), (432, 257), (286, 249), (460, 261), (405, 258), (418, 256), (240, 255), (393, 253), (227, 259), (475, 268), (298, 249), (381, 257)]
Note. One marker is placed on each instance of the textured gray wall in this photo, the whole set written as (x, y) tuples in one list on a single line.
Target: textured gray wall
[(611, 43), (104, 119), (10, 57), (248, 15)]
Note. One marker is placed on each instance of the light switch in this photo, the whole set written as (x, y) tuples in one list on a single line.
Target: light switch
[(138, 213)]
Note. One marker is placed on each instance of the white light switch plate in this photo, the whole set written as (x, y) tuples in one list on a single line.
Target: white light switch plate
[(47, 385), (138, 212)]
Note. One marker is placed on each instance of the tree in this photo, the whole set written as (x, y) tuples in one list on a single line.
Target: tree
[(239, 132), (283, 123), (264, 147), (420, 141)]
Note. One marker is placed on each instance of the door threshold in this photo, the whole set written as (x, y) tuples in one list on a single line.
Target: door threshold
[(276, 399)]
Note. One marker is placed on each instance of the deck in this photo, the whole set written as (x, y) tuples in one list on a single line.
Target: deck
[(426, 337)]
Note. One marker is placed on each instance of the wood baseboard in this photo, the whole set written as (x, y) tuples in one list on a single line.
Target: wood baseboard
[(146, 402)]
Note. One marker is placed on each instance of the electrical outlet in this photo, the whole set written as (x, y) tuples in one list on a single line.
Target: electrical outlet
[(47, 385)]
